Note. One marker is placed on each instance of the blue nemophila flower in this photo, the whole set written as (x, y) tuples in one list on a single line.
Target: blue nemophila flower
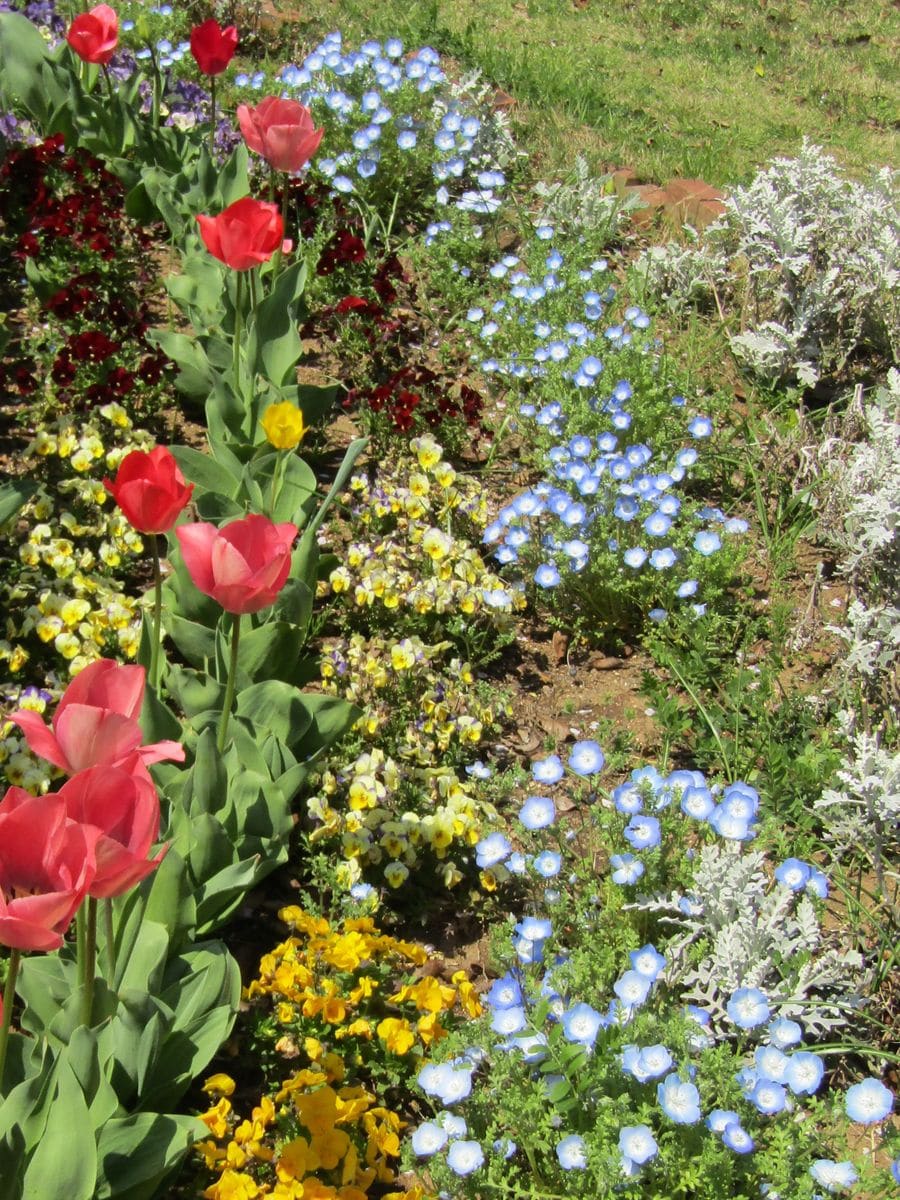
[(537, 812), (729, 826), (637, 1144), (642, 832), (478, 770), (697, 802), (428, 1139), (547, 770), (362, 891), (658, 615), (647, 1062), (448, 1081), (784, 1032), (454, 1124), (657, 524), (720, 1118), (770, 1062), (509, 1020), (581, 1024), (547, 864), (586, 758), (627, 868), (572, 1153), (803, 1072), (464, 1157), (700, 427), (536, 929), (626, 508), (632, 988), (737, 1138), (748, 1007), (680, 1101), (793, 874), (627, 798), (707, 542), (406, 139), (768, 1096), (546, 575), (662, 559), (635, 557), (647, 961), (504, 992), (491, 850), (833, 1176), (868, 1102)]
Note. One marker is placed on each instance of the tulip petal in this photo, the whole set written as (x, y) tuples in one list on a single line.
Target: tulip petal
[(197, 540), (41, 741), (89, 736)]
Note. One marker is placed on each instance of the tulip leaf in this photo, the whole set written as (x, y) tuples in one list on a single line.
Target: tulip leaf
[(158, 722), (197, 289), (195, 376), (316, 401), (194, 691), (89, 1063), (295, 601), (277, 707), (64, 1162), (275, 340), (352, 453), (138, 1152), (222, 895), (212, 851), (232, 179), (205, 471), (15, 494), (22, 52), (165, 897)]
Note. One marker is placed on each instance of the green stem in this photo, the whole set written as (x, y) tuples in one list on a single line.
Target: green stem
[(236, 349), (80, 942), (9, 994), (254, 298), (212, 115), (157, 614), (277, 479), (157, 90), (110, 939), (90, 961), (229, 686), (108, 78), (276, 261)]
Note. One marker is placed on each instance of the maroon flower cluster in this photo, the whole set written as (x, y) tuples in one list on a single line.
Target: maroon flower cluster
[(66, 213)]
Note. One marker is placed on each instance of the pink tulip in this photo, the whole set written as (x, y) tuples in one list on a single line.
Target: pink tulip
[(47, 864), (96, 722), (281, 131), (242, 566), (121, 802)]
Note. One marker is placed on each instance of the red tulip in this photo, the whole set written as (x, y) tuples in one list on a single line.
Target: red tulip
[(94, 35), (121, 802), (213, 47), (281, 131), (242, 566), (244, 234), (96, 721), (150, 490), (47, 864)]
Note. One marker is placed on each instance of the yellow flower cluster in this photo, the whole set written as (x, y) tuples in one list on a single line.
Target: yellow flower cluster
[(321, 1135), (74, 550), (19, 765), (416, 702), (398, 816), (411, 543)]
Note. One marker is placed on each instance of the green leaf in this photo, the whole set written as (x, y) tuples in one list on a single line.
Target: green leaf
[(195, 376), (277, 707), (213, 851), (198, 289), (194, 691), (64, 1162), (274, 335), (295, 600), (15, 494), (137, 1153), (316, 402), (223, 894), (22, 53), (158, 722), (353, 452), (205, 471), (196, 642), (88, 1061)]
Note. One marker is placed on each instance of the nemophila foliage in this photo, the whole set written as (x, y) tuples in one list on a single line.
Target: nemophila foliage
[(596, 1069), (408, 550), (808, 258), (70, 551), (348, 1002)]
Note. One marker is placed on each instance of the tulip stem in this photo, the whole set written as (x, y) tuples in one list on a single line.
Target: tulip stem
[(212, 115), (80, 943), (90, 961), (230, 685), (279, 253), (157, 614), (238, 301), (254, 299), (110, 940), (108, 78), (9, 994)]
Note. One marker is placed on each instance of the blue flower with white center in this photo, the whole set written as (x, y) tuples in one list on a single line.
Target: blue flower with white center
[(647, 961), (547, 770), (464, 1157), (536, 929), (736, 1138), (428, 1139), (491, 850), (544, 232), (768, 1096), (720, 1118), (538, 812), (657, 524), (393, 48), (868, 1102), (627, 868), (793, 874), (453, 1123), (748, 1007), (504, 992), (642, 832), (366, 167), (707, 542), (688, 588), (833, 1176), (581, 1024), (803, 1072), (517, 537), (547, 864), (406, 139), (509, 1020), (342, 183), (686, 457), (586, 758), (817, 884), (626, 508), (771, 1063), (635, 557), (784, 1032), (697, 802), (729, 826), (632, 988), (652, 1061), (741, 800), (452, 1084), (627, 798), (637, 1144), (663, 559), (530, 1046), (571, 1153), (680, 1101), (546, 575), (700, 427)]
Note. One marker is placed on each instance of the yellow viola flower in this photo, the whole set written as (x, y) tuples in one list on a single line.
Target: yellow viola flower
[(330, 1146), (297, 1158), (396, 1034), (233, 1185), (283, 425), (219, 1085)]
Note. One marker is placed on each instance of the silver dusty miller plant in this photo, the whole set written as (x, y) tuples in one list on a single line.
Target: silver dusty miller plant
[(583, 205), (738, 928), (809, 259)]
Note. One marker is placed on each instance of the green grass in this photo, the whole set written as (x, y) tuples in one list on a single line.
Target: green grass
[(695, 88)]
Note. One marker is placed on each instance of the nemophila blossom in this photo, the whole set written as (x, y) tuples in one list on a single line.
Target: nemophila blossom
[(647, 961), (662, 559), (748, 1007), (770, 1062), (868, 1102), (700, 427), (538, 812), (632, 988), (768, 1096), (833, 1176), (729, 826), (646, 1062), (509, 1020), (464, 1157), (571, 1153), (546, 575), (679, 1100), (697, 802), (505, 1147), (627, 798), (784, 1032), (586, 758), (581, 1024), (504, 992), (428, 1139), (637, 1144), (547, 864), (642, 832), (627, 868), (720, 1118), (736, 1138), (452, 1123), (803, 1072), (492, 849), (707, 542), (793, 874)]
